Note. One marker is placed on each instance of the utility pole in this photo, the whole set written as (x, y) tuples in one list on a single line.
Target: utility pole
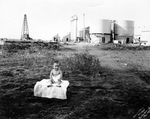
[(25, 29), (74, 35), (112, 31), (84, 27)]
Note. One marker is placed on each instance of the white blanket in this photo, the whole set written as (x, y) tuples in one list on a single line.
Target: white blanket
[(41, 89)]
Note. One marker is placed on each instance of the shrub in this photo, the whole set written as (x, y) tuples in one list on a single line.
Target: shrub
[(82, 63)]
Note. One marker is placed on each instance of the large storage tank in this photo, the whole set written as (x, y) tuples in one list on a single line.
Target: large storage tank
[(101, 26), (124, 31), (124, 27)]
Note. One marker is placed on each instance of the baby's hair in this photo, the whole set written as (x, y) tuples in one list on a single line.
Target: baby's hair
[(56, 61)]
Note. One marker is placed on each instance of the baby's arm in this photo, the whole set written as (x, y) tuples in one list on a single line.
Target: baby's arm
[(60, 79), (50, 79), (50, 76)]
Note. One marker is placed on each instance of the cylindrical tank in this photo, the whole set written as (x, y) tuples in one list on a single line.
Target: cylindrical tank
[(124, 27), (81, 33), (101, 26)]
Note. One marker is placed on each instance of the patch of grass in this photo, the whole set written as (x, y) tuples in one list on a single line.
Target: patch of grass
[(116, 103), (144, 75)]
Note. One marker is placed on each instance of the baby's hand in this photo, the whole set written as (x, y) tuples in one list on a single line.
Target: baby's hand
[(49, 85), (58, 85), (52, 81)]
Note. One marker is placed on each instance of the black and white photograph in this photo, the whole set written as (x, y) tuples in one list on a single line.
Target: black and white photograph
[(74, 59)]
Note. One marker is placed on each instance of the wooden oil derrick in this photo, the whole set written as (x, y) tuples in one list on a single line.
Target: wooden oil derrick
[(25, 29)]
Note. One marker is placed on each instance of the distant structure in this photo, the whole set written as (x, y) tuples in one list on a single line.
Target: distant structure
[(142, 35), (67, 38), (25, 30), (74, 20), (107, 31), (145, 34), (56, 38), (124, 31), (100, 30), (84, 34)]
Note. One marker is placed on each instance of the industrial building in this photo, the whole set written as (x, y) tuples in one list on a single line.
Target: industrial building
[(84, 34), (67, 38), (104, 31), (56, 38), (121, 31), (145, 36)]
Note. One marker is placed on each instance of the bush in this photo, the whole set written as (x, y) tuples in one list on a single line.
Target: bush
[(82, 63)]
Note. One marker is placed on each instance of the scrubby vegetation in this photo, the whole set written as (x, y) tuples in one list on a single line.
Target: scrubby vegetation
[(94, 92), (15, 46), (111, 46)]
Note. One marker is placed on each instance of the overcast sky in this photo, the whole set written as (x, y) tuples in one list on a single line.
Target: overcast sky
[(46, 18)]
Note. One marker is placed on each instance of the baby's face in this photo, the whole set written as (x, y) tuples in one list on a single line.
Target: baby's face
[(56, 66)]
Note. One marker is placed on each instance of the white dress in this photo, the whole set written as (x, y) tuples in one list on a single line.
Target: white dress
[(41, 89)]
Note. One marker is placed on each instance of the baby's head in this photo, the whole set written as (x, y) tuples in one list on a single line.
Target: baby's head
[(56, 65)]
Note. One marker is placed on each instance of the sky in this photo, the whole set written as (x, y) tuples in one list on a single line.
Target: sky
[(46, 18)]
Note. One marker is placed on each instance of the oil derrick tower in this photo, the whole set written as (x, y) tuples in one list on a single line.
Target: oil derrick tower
[(25, 30)]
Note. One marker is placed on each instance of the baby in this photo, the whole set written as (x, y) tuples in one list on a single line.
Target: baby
[(55, 75)]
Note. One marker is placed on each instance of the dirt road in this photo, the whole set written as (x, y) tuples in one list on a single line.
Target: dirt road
[(123, 59)]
